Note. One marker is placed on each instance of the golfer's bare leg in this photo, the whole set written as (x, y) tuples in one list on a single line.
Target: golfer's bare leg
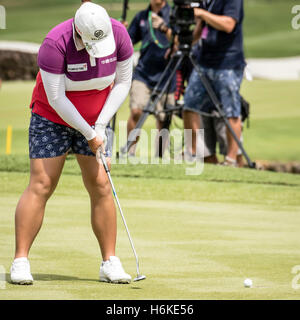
[(232, 145), (103, 211), (192, 120), (44, 176)]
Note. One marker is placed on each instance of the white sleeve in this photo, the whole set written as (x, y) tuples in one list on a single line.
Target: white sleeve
[(118, 93), (54, 85)]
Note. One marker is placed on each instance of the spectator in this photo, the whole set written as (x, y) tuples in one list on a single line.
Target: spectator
[(215, 134), (221, 59), (150, 27)]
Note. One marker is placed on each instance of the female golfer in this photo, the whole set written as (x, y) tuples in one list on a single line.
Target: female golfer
[(85, 75)]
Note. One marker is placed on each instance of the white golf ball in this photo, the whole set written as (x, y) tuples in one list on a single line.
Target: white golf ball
[(248, 283)]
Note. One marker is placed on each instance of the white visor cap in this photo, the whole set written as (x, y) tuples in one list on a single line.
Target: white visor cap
[(93, 24)]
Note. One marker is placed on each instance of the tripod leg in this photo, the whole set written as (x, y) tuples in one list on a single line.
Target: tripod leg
[(219, 108), (162, 140), (114, 122), (156, 96)]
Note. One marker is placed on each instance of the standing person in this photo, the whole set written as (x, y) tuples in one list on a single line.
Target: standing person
[(215, 133), (72, 103), (221, 59), (150, 27)]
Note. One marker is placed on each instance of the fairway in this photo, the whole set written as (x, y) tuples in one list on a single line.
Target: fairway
[(274, 120)]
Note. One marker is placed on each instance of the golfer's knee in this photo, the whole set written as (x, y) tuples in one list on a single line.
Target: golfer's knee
[(42, 186), (99, 188)]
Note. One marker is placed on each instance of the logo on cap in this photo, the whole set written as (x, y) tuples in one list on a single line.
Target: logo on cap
[(99, 34)]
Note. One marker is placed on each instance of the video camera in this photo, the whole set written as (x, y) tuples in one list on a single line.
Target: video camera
[(182, 18)]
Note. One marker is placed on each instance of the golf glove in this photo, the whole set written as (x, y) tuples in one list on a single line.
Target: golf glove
[(100, 131)]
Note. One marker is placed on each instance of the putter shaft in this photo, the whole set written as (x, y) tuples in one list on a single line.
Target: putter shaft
[(103, 159)]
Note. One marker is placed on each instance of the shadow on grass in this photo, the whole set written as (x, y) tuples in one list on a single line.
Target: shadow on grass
[(52, 277), (254, 182), (58, 277)]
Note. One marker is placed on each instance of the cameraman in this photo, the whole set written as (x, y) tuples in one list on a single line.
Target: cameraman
[(149, 27), (221, 60)]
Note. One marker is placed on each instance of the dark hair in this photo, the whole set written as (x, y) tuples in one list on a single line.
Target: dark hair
[(77, 34)]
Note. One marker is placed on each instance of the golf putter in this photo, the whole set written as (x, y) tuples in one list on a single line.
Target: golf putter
[(100, 156)]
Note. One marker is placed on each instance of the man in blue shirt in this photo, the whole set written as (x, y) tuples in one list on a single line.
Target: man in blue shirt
[(150, 28), (221, 59)]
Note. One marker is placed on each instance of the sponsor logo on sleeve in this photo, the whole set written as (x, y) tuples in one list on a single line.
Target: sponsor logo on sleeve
[(110, 60)]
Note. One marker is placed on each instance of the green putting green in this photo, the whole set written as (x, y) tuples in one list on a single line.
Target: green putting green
[(196, 239)]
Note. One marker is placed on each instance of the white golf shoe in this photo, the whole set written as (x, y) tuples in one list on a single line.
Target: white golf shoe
[(20, 272), (112, 271)]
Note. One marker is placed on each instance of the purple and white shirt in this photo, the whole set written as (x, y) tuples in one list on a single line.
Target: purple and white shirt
[(87, 81), (62, 53)]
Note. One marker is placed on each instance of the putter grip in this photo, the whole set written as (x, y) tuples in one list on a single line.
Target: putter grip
[(103, 159)]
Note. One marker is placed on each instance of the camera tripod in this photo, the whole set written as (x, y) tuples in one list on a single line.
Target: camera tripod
[(174, 63)]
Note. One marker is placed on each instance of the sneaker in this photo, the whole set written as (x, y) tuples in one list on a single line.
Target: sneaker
[(229, 162), (20, 272), (112, 271)]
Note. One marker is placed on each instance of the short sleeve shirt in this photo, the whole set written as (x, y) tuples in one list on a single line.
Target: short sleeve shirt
[(220, 49)]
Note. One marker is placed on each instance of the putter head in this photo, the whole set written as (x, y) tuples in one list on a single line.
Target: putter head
[(139, 278)]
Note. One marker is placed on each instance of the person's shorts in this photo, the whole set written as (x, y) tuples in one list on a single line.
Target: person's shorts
[(48, 139), (215, 134), (225, 82), (140, 95)]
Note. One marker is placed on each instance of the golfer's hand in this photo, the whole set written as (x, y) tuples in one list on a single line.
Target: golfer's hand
[(100, 131), (157, 21), (99, 160), (95, 144)]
